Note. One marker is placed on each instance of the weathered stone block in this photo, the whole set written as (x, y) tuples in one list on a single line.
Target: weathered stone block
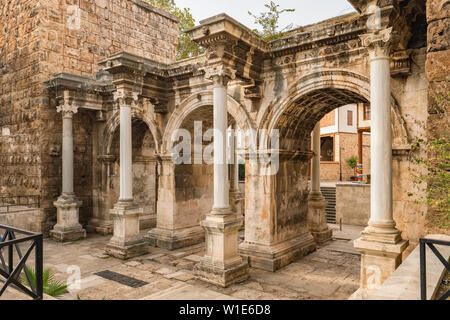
[(439, 35), (438, 65), (437, 9)]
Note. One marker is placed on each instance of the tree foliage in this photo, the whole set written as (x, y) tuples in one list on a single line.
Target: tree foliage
[(186, 48), (269, 22), (432, 176), (352, 162), (431, 169)]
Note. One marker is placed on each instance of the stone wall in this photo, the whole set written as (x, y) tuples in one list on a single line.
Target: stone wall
[(194, 193), (291, 196), (39, 39), (438, 74), (353, 204)]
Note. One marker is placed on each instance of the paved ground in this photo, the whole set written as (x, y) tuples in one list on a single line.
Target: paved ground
[(330, 273)]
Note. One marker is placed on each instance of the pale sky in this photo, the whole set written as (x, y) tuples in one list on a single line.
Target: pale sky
[(307, 11)]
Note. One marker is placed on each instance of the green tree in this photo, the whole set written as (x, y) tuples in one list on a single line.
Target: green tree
[(269, 22), (352, 162), (186, 48)]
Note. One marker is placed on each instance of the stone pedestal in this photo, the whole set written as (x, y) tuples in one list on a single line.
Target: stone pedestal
[(378, 261), (126, 242), (68, 227), (222, 265), (274, 257), (175, 239), (317, 219)]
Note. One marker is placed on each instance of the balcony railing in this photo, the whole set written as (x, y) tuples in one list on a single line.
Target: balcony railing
[(11, 273), (423, 264), (17, 202)]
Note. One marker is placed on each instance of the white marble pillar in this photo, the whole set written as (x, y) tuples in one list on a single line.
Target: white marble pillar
[(317, 219), (236, 196), (126, 242), (221, 264), (381, 244), (315, 163), (126, 154), (68, 227)]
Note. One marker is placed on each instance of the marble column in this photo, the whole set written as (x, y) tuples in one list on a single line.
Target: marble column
[(221, 264), (126, 242), (68, 227), (381, 244), (317, 219), (236, 196)]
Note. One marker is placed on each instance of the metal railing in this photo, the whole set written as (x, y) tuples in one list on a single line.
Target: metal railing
[(11, 273), (423, 264), (20, 201)]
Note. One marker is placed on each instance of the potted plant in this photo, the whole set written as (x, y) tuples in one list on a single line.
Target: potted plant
[(352, 162)]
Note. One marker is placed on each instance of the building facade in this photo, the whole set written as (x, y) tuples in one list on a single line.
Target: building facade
[(91, 97)]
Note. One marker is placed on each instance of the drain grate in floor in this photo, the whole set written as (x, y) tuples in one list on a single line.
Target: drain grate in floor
[(122, 279)]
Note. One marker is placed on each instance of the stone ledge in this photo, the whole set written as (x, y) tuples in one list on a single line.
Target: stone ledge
[(404, 283)]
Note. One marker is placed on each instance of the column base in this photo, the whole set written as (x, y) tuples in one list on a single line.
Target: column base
[(207, 272), (103, 227), (126, 242), (322, 237), (275, 257), (175, 239), (317, 220), (68, 227), (378, 261), (222, 264), (127, 252)]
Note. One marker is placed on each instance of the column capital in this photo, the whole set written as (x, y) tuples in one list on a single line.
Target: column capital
[(220, 74), (380, 43), (125, 98), (67, 110)]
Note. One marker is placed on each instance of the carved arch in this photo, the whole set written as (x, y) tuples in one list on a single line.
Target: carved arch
[(195, 101), (353, 85)]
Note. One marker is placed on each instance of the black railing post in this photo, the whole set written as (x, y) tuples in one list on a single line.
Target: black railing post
[(423, 270), (39, 267), (10, 256)]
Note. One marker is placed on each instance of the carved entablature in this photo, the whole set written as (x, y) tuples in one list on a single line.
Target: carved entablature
[(84, 92), (380, 43), (253, 91), (159, 106), (401, 63), (327, 35)]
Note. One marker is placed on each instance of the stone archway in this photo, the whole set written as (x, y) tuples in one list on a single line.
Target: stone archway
[(277, 205), (235, 109), (186, 190), (146, 144), (351, 87)]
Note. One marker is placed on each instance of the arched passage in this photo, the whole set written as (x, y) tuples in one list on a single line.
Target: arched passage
[(145, 146), (277, 205), (186, 190)]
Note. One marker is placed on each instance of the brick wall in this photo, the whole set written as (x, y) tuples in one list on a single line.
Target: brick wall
[(36, 41)]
